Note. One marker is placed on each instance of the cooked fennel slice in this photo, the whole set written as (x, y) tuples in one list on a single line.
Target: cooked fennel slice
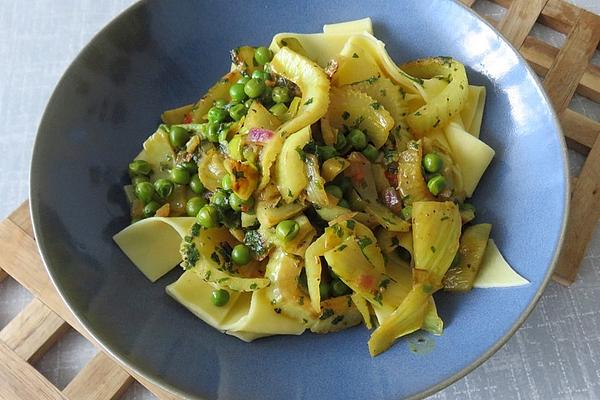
[(313, 84), (411, 182), (438, 111), (291, 177), (354, 109), (473, 243), (386, 93), (436, 234)]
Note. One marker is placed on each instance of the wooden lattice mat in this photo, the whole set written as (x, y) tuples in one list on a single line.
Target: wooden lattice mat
[(566, 71)]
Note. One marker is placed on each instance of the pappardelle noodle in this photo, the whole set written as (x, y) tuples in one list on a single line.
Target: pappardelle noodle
[(315, 186)]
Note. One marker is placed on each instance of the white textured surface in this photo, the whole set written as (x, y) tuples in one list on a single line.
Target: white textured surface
[(555, 354)]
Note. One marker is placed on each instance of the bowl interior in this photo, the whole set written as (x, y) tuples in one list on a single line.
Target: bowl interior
[(156, 56)]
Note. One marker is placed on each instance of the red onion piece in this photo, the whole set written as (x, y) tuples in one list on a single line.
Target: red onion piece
[(391, 199), (260, 135)]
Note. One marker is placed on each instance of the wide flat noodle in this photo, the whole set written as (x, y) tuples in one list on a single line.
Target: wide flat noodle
[(264, 319), (191, 291), (152, 244), (472, 113), (471, 155), (364, 56), (321, 47), (495, 271)]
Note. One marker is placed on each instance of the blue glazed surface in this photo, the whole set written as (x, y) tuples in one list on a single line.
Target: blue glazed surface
[(157, 56)]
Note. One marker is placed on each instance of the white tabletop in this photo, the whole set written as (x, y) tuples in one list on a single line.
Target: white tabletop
[(554, 355)]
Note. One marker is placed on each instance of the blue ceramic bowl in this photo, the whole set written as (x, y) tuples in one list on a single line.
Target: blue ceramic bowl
[(158, 55)]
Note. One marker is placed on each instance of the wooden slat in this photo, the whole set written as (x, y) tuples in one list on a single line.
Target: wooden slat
[(22, 219), (31, 333), (579, 129), (557, 14), (18, 249), (584, 214), (589, 86), (3, 275), (20, 381), (520, 18), (569, 65), (100, 379)]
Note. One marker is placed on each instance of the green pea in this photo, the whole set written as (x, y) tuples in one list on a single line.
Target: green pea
[(340, 141), (326, 152), (406, 212), (248, 103), (207, 216), (235, 202), (339, 288), (180, 175), (335, 191), (243, 80), (436, 184), (220, 297), (254, 88), (196, 185), (237, 111), (191, 166), (163, 187), (212, 133), (278, 109), (280, 94), (357, 139), (220, 103), (370, 152), (262, 55), (139, 167), (432, 163), (194, 205), (344, 203), (226, 182), (216, 114), (178, 136), (150, 209), (258, 74), (144, 191), (287, 230), (240, 254), (220, 199), (325, 290), (139, 179), (236, 91)]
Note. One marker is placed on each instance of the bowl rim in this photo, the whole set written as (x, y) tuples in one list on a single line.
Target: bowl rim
[(160, 382)]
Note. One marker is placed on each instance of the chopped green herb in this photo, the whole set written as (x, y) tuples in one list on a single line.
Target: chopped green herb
[(432, 249), (375, 106), (363, 241), (350, 224), (345, 115), (327, 312), (337, 320), (309, 101), (354, 55)]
